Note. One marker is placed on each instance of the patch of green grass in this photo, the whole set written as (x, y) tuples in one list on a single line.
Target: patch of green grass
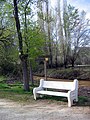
[(83, 100), (13, 88), (16, 96), (54, 99), (4, 86), (2, 79), (15, 92), (57, 98)]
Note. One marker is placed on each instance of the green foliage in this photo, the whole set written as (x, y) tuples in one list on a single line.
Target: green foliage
[(7, 68), (2, 0), (8, 57), (8, 47), (73, 17), (4, 86), (2, 79), (36, 42)]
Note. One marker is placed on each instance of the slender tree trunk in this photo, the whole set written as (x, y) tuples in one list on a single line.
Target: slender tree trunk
[(49, 38), (26, 38), (56, 62), (56, 65), (60, 32), (72, 64), (31, 74), (66, 32), (40, 19), (23, 57)]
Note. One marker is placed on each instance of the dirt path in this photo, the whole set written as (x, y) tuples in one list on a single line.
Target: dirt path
[(41, 111)]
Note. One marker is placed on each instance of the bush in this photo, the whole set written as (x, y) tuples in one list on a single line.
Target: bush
[(10, 69), (64, 74)]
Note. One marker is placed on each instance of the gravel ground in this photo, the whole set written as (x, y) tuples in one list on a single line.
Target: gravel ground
[(42, 110)]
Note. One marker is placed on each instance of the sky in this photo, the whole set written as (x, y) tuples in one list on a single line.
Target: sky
[(81, 5), (78, 4)]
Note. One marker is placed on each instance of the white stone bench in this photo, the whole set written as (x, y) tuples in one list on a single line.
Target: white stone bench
[(71, 87)]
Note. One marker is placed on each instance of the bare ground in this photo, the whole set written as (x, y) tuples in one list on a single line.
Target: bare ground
[(42, 110)]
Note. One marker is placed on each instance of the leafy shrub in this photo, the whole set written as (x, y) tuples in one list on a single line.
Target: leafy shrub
[(10, 69)]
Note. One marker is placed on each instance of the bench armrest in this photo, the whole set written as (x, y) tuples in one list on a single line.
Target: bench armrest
[(38, 88), (73, 94)]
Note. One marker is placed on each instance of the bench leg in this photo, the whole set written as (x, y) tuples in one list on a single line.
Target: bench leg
[(35, 96), (70, 102), (77, 99)]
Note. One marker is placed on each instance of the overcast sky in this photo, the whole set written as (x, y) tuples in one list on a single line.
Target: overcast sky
[(79, 4)]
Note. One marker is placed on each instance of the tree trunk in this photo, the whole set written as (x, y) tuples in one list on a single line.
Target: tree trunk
[(25, 72), (60, 32), (56, 47), (56, 65), (31, 75), (49, 34), (67, 45), (26, 41), (23, 57), (65, 61), (72, 64)]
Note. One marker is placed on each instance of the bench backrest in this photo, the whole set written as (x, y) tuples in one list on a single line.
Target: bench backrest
[(59, 85)]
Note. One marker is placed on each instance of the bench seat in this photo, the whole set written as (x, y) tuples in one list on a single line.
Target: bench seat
[(53, 93)]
